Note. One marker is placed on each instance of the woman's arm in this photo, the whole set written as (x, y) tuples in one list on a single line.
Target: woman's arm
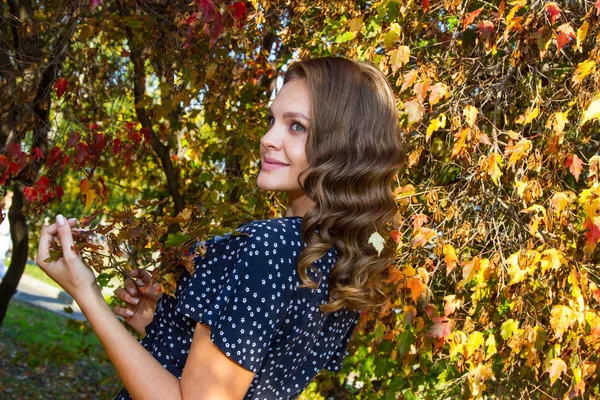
[(208, 373)]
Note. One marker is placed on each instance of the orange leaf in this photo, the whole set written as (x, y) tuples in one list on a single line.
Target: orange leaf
[(471, 17), (417, 288), (419, 220), (422, 237), (574, 164), (565, 34)]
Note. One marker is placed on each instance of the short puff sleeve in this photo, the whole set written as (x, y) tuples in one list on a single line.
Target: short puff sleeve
[(241, 292)]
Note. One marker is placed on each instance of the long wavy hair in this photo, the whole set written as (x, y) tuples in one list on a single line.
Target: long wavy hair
[(354, 151)]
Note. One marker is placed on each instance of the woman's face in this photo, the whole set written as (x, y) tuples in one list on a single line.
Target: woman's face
[(284, 142)]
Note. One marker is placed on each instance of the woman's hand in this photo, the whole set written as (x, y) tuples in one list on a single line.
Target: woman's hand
[(140, 298), (69, 271)]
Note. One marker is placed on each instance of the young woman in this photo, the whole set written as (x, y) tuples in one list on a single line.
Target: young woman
[(263, 313)]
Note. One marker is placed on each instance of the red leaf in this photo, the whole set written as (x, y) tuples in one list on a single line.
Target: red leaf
[(59, 193), (565, 34), (486, 28), (81, 153), (575, 165), (14, 152), (554, 10), (95, 3), (135, 137), (441, 328), (30, 194), (191, 19), (60, 86), (217, 26), (37, 154), (93, 127), (74, 138), (471, 17), (425, 4), (43, 184), (395, 235), (55, 155), (598, 8), (117, 146), (147, 134), (592, 234), (99, 143), (239, 12)]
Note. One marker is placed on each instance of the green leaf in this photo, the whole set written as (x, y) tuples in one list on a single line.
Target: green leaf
[(405, 339), (345, 37), (175, 239)]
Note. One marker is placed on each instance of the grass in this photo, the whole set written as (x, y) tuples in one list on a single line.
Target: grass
[(34, 271), (46, 356)]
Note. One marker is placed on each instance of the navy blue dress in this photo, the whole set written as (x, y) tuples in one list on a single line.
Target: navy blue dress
[(245, 289)]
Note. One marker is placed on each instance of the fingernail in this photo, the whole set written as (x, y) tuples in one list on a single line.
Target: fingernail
[(129, 312), (135, 300), (72, 219), (132, 291), (60, 220)]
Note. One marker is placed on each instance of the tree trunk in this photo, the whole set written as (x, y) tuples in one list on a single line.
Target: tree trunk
[(20, 237)]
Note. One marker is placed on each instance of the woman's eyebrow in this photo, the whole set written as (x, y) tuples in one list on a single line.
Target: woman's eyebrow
[(291, 114)]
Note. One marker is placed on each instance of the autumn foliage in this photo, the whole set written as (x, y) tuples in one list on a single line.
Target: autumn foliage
[(495, 289)]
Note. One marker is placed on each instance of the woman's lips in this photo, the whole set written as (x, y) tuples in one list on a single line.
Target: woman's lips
[(272, 166)]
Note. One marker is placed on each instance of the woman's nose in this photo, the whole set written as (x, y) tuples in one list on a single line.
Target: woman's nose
[(271, 139)]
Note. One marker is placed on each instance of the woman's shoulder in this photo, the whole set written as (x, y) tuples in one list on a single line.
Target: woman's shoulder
[(272, 229)]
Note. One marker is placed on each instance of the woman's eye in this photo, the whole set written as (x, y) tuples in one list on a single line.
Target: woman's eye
[(296, 127)]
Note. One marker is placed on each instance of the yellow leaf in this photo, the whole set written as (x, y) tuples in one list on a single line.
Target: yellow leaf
[(593, 111), (493, 167), (422, 237), (560, 119), (355, 24), (450, 258), (491, 346), (415, 110), (408, 80), (508, 328), (434, 125), (556, 368), (399, 57), (438, 91), (552, 259), (518, 151), (377, 241), (470, 268), (561, 319), (583, 69), (581, 34), (470, 114), (529, 116), (475, 342)]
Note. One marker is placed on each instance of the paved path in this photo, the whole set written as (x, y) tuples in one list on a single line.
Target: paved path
[(38, 293)]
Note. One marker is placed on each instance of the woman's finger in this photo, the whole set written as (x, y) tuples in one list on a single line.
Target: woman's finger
[(123, 312), (126, 297), (130, 287), (46, 238), (66, 238), (143, 277)]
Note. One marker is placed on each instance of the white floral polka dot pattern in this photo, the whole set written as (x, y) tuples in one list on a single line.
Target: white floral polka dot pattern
[(246, 290)]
